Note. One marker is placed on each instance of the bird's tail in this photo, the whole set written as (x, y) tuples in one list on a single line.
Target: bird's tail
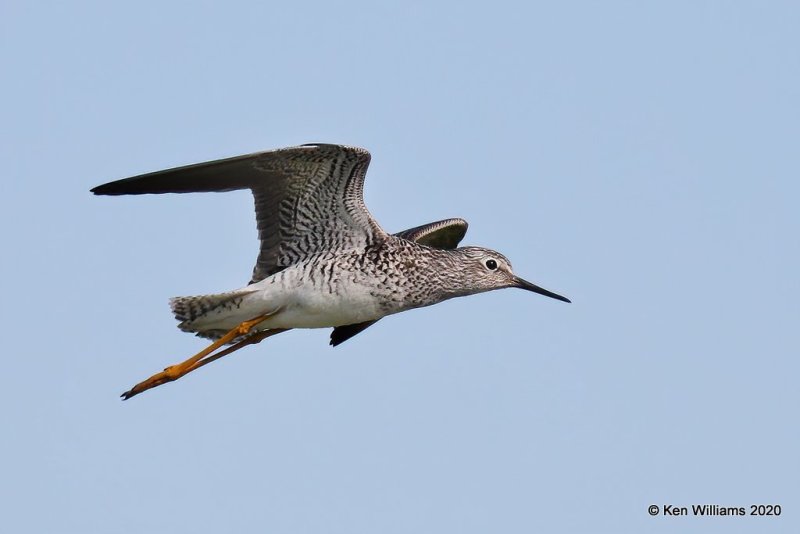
[(191, 311)]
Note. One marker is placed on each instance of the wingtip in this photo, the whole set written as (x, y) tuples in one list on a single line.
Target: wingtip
[(101, 189)]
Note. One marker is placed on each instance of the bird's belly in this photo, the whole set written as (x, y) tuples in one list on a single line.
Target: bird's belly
[(310, 309), (316, 305)]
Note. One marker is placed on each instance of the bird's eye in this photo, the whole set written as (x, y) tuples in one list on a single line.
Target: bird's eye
[(491, 264)]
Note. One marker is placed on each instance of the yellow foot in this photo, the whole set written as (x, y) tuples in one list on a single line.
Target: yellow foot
[(171, 373)]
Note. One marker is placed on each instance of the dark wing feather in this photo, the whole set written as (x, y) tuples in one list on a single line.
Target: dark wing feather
[(446, 234), (340, 334), (221, 175), (300, 192)]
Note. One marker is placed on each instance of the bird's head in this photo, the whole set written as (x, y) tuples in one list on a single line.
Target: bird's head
[(483, 269)]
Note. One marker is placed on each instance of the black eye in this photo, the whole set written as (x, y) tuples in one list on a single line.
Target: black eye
[(491, 265)]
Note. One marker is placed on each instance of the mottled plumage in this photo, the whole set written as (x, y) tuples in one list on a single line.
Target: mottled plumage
[(323, 260)]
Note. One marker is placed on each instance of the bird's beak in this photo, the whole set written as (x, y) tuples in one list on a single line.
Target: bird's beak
[(524, 284)]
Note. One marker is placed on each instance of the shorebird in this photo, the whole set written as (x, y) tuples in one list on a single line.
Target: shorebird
[(323, 261)]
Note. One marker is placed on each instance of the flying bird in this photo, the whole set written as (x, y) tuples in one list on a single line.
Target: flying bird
[(323, 261)]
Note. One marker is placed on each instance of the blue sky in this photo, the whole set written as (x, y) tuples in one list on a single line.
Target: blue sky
[(640, 158)]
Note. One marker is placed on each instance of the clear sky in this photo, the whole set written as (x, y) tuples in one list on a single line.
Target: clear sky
[(639, 157)]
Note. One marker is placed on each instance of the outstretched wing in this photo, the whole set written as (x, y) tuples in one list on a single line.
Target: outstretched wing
[(308, 198), (446, 234)]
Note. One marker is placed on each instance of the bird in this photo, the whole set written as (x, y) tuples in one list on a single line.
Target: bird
[(323, 260)]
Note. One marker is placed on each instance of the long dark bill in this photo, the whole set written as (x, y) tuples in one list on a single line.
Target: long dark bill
[(524, 284)]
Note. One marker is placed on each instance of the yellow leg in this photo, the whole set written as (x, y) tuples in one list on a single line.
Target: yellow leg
[(258, 337), (175, 372)]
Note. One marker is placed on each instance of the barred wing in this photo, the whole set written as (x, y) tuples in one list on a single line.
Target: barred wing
[(308, 199)]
